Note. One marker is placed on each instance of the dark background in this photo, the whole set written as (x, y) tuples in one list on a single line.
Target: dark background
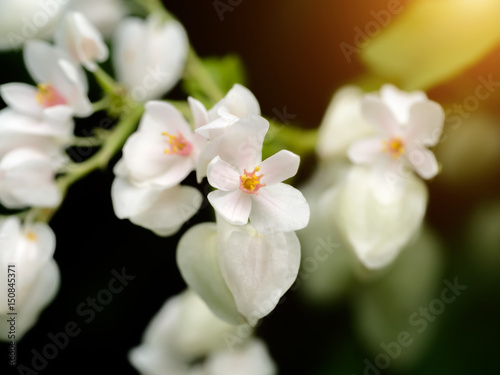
[(290, 49)]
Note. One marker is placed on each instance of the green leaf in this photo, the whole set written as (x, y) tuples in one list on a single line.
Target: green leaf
[(433, 41)]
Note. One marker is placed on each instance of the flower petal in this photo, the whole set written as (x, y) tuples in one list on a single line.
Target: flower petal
[(22, 98), (129, 200), (279, 167), (200, 114), (198, 263), (28, 179), (239, 101), (234, 206), (251, 359), (376, 231), (380, 116), (425, 124), (164, 117), (222, 175), (170, 211), (343, 123), (400, 101), (365, 151), (258, 269), (279, 208), (423, 161)]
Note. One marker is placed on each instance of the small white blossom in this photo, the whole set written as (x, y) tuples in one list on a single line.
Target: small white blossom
[(149, 56), (251, 188), (185, 331), (164, 149), (62, 86), (81, 40), (238, 271), (216, 127), (104, 14), (30, 248), (376, 230), (160, 210), (49, 135), (27, 178), (407, 123)]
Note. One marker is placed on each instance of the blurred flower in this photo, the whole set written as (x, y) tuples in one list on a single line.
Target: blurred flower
[(406, 124), (149, 56), (103, 14), (27, 178), (81, 40), (186, 338), (49, 135), (62, 86), (29, 249), (237, 270), (342, 124), (374, 211), (23, 20)]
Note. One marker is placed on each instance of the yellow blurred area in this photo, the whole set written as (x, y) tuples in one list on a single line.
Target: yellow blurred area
[(433, 41)]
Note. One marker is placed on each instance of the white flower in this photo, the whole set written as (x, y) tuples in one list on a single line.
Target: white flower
[(23, 20), (30, 249), (149, 56), (62, 86), (104, 14), (163, 151), (49, 135), (251, 359), (216, 124), (376, 230), (236, 270), (27, 178), (81, 40), (407, 124), (342, 124), (182, 331), (160, 210), (251, 188)]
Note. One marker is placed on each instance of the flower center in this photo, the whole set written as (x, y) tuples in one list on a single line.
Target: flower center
[(178, 145), (48, 96), (31, 236), (250, 182), (394, 146)]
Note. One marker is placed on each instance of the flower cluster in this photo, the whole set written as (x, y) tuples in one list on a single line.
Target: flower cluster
[(253, 248), (378, 145)]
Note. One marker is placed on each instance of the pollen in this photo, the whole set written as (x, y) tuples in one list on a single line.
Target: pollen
[(250, 182), (393, 146), (177, 144), (31, 236), (48, 96)]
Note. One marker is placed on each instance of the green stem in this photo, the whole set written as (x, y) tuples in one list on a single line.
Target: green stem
[(111, 145), (196, 70)]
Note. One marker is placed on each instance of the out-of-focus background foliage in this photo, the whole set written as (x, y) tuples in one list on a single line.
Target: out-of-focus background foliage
[(293, 54)]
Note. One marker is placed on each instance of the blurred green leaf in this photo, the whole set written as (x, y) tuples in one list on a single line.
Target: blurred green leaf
[(225, 71)]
